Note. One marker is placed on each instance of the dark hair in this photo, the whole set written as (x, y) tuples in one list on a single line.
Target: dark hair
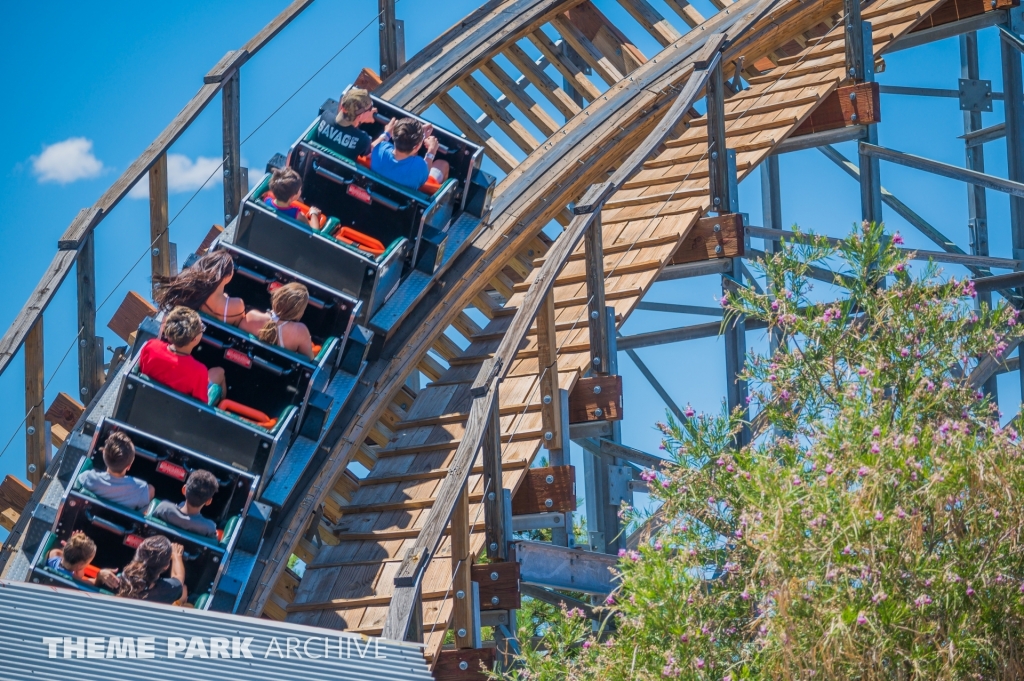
[(288, 304), (285, 183), (194, 285), (78, 549), (201, 487), (407, 134), (181, 326), (152, 557), (118, 452)]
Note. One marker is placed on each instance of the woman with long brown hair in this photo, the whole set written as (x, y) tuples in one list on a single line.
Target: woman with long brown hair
[(288, 304), (201, 287), (141, 578)]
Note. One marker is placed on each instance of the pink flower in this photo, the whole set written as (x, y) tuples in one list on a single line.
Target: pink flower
[(665, 484), (904, 352), (745, 596), (861, 619), (879, 516), (586, 645), (875, 432), (875, 449), (657, 546), (775, 305), (699, 662), (689, 412), (897, 239), (970, 591), (863, 471), (724, 302), (610, 600), (828, 469), (797, 481), (863, 371), (684, 638), (634, 556)]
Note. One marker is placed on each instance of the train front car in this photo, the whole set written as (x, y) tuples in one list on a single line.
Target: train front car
[(375, 232), (117, 529)]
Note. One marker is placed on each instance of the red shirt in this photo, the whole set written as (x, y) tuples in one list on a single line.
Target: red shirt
[(183, 373)]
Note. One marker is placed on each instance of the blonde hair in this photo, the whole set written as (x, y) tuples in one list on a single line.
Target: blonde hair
[(288, 304), (353, 104)]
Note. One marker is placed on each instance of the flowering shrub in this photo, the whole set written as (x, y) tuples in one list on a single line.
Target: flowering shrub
[(874, 526)]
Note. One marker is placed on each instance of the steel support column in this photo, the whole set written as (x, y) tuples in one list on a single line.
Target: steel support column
[(977, 208), (1013, 105), (870, 180), (771, 209)]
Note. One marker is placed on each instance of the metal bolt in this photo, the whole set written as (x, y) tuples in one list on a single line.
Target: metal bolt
[(853, 117), (853, 96), (548, 503), (84, 391), (156, 252), (718, 249), (714, 155), (495, 600), (461, 633), (460, 594), (491, 496), (718, 228), (593, 315), (493, 546), (31, 468), (717, 200), (81, 343), (494, 576), (853, 71), (598, 413), (549, 479), (31, 430), (547, 399), (597, 390), (227, 172), (463, 665), (548, 435)]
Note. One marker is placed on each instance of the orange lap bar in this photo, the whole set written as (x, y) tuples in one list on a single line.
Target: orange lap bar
[(363, 242), (247, 413)]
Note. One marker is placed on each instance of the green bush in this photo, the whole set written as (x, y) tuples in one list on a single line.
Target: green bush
[(872, 529)]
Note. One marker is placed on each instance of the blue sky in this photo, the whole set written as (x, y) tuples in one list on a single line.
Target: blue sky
[(99, 85)]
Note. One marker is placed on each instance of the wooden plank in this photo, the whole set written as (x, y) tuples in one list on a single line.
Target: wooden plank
[(686, 12), (499, 585), (449, 664), (547, 361), (494, 495), (858, 104), (14, 494), (90, 357), (231, 137), (596, 398), (519, 97), (475, 133), (159, 236), (655, 24), (595, 300), (65, 411), (574, 37), (611, 43), (462, 577), (569, 70), (546, 490), (35, 419), (497, 113), (558, 97), (368, 79), (9, 518), (130, 314), (215, 231), (705, 242)]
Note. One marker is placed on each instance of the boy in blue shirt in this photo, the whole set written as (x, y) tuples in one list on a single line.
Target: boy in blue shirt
[(397, 156), (199, 491), (114, 484)]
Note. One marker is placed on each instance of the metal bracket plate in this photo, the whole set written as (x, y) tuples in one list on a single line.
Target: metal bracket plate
[(975, 95)]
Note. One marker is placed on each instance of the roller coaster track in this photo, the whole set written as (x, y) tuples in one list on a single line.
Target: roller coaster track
[(365, 527)]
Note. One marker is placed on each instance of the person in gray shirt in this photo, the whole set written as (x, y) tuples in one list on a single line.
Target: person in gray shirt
[(114, 484), (199, 491)]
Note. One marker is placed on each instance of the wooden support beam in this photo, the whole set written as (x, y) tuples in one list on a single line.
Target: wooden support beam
[(388, 31), (450, 663), (551, 489), (90, 354), (475, 133), (655, 24), (64, 411), (35, 419), (594, 254), (159, 236), (498, 581), (215, 231), (462, 580), (232, 144), (718, 165), (547, 360), (368, 79), (687, 12), (847, 106), (576, 39), (519, 97), (497, 113), (130, 313), (494, 495), (596, 398), (558, 97), (14, 495), (611, 43), (712, 238), (563, 64)]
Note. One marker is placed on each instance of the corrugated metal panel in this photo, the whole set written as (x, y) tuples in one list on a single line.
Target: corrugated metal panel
[(30, 612)]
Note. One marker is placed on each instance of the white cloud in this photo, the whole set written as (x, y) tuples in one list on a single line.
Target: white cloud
[(67, 161), (183, 175)]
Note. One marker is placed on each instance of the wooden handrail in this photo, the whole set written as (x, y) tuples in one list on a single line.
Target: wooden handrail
[(88, 218), (407, 579)]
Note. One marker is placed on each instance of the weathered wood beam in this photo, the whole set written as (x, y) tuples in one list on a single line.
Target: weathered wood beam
[(90, 353), (572, 35), (558, 97), (35, 419), (159, 236), (519, 97), (468, 125), (497, 113), (655, 24), (462, 583), (547, 361), (564, 65)]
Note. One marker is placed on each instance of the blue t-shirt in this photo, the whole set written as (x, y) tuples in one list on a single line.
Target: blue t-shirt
[(57, 565), (290, 211), (410, 172)]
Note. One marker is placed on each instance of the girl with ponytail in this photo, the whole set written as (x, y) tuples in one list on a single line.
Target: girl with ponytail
[(288, 304), (141, 578)]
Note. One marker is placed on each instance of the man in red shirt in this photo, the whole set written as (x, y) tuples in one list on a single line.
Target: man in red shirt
[(168, 359)]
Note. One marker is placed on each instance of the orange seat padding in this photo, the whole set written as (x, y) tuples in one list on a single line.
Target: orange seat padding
[(430, 186), (91, 571), (363, 242), (303, 208), (247, 413), (363, 161), (317, 349)]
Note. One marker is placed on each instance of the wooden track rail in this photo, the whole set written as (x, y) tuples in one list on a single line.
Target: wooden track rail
[(367, 531)]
